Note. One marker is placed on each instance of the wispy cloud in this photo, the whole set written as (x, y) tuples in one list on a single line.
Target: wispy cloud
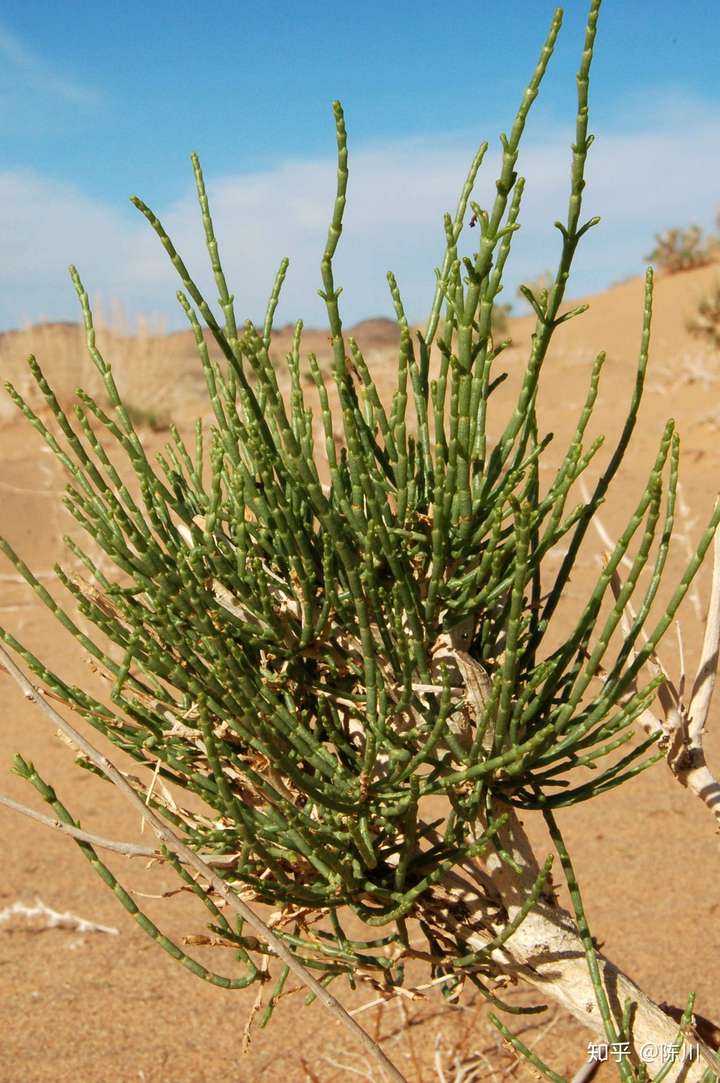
[(662, 175), (26, 76)]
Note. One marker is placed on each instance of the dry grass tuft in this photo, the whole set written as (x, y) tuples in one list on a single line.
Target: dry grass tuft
[(155, 372)]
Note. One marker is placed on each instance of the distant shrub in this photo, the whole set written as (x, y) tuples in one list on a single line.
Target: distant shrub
[(142, 418), (537, 288), (706, 324), (682, 249), (499, 320)]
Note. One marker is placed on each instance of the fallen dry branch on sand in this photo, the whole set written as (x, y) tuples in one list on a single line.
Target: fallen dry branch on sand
[(54, 919)]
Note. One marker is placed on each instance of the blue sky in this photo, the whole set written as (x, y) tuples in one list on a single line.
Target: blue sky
[(100, 101)]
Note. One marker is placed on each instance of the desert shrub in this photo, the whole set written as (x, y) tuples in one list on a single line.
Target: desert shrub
[(705, 324), (537, 288), (357, 677), (151, 367), (499, 322), (682, 249), (147, 417)]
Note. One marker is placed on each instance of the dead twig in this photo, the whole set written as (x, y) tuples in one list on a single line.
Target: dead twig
[(129, 849), (54, 919)]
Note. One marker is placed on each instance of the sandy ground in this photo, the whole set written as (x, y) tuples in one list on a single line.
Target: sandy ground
[(100, 1007)]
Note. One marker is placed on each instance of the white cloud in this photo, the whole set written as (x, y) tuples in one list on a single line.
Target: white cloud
[(661, 175), (24, 72), (44, 226)]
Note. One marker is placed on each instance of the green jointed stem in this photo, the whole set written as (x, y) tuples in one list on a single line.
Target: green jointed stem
[(609, 1023), (527, 1054)]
